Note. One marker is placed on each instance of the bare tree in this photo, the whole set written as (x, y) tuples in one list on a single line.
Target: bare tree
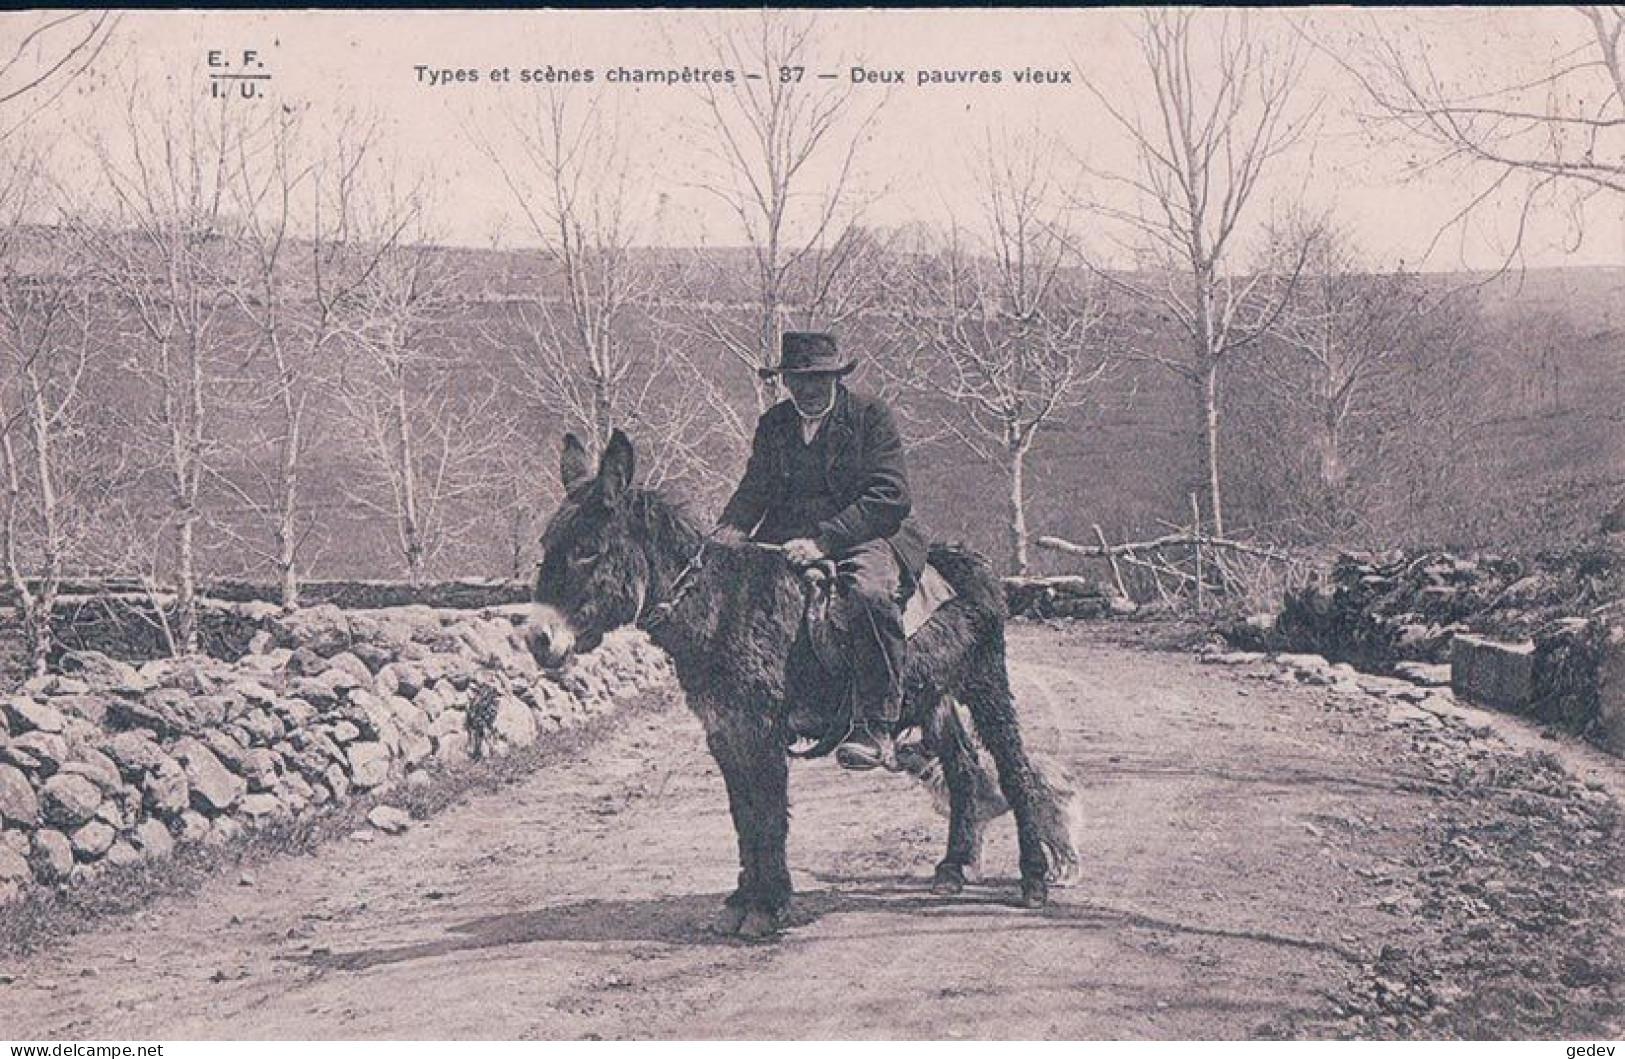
[(1365, 376), (1001, 326), (1555, 124), (1340, 328), (161, 245), (1534, 128), (1221, 111), (41, 53), (596, 352), (302, 263), (45, 342), (783, 148), (1352, 345), (429, 429)]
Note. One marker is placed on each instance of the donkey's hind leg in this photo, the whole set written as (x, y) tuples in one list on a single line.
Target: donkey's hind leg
[(986, 693), (949, 741)]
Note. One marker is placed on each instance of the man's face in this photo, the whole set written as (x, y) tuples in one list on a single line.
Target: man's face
[(813, 392)]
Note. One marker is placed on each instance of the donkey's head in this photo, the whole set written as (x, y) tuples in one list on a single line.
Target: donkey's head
[(594, 575)]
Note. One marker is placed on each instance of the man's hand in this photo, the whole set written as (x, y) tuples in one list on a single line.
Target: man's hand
[(803, 551), (728, 536)]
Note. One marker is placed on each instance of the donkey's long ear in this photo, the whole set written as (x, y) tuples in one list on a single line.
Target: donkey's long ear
[(615, 468), (573, 467)]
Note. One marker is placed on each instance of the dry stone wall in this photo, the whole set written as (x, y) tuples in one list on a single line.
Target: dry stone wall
[(1539, 637), (109, 762)]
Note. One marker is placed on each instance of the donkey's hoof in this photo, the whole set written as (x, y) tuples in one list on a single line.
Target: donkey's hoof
[(758, 925), (948, 881), (728, 922), (1034, 893)]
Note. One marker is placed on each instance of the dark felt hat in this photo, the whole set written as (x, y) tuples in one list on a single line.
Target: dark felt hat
[(805, 352)]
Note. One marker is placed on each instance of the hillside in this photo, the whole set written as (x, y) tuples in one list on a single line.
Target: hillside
[(1534, 464)]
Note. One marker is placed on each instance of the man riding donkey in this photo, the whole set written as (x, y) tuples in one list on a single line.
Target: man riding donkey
[(826, 479)]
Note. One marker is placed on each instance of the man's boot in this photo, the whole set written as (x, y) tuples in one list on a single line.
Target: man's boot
[(877, 656)]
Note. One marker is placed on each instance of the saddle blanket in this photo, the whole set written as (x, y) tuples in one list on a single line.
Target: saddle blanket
[(932, 591)]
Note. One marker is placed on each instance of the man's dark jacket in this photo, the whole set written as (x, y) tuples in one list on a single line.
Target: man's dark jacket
[(863, 468)]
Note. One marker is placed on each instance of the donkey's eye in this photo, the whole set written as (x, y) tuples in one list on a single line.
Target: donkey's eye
[(586, 558)]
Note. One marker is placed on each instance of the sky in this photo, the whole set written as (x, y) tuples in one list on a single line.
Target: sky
[(919, 156)]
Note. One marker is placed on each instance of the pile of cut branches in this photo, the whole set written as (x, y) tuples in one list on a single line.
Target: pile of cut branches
[(1188, 570)]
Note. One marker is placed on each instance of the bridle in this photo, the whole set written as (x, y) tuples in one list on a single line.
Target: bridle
[(681, 585), (684, 583)]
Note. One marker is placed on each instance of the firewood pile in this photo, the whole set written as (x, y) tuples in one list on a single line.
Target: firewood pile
[(1056, 597), (1188, 570)]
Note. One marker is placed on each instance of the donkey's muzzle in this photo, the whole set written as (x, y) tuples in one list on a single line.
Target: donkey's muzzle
[(549, 637)]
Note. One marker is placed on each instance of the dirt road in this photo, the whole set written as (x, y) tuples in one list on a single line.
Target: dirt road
[(1257, 860)]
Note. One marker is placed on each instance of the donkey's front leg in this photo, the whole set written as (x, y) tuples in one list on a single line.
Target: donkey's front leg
[(756, 772)]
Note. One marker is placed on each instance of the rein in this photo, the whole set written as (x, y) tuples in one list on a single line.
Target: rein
[(681, 585), (684, 583)]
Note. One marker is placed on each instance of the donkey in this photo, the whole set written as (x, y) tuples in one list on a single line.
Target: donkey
[(729, 617)]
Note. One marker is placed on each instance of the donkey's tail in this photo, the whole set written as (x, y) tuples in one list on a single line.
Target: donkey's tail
[(987, 801), (1056, 816)]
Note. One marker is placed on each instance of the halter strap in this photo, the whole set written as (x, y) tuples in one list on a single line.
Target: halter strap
[(680, 587)]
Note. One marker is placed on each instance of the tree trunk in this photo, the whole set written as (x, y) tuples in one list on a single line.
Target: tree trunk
[(769, 335), (1333, 470), (287, 543), (27, 604), (1018, 511), (411, 531), (287, 528), (189, 476), (603, 410), (186, 631), (50, 525), (1210, 444)]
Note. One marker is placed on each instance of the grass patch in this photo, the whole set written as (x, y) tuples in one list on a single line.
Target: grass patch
[(43, 916)]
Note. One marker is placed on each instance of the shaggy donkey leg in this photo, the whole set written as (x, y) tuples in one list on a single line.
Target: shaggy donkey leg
[(993, 709), (942, 731), (758, 924), (756, 773), (729, 920)]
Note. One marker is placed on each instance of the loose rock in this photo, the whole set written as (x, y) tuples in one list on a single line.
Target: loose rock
[(52, 855), (262, 769), (121, 854), (513, 724), (369, 764), (18, 802), (93, 840), (214, 788), (153, 839), (135, 754), (67, 801), (91, 708), (38, 752), (389, 819), (257, 807), (166, 792), (26, 715), (102, 673), (96, 767), (13, 867)]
